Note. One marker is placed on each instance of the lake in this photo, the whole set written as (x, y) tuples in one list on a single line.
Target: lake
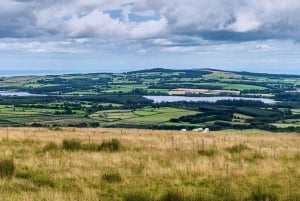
[(13, 93), (159, 99)]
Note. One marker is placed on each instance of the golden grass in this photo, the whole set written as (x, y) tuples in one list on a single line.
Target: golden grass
[(154, 161)]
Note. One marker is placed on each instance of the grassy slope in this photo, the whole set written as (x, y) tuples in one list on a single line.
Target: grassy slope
[(152, 161), (127, 82), (145, 115)]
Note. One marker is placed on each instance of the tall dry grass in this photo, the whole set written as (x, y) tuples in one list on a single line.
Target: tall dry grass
[(232, 165)]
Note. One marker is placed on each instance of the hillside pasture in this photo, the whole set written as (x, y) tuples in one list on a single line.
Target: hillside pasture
[(54, 164), (145, 115)]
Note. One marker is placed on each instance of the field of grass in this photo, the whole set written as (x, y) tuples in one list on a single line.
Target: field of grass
[(242, 87), (125, 88), (114, 99), (146, 115), (286, 125), (224, 86), (296, 111), (242, 116), (136, 165)]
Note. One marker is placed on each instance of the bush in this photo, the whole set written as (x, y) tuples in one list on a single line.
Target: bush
[(207, 152), (259, 194), (7, 168), (172, 196), (50, 146), (297, 157), (91, 147), (138, 196), (38, 178), (112, 177), (237, 149), (71, 144), (253, 157), (113, 145)]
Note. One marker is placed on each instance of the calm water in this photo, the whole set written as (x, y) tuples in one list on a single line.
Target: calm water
[(8, 93), (159, 99), (11, 73)]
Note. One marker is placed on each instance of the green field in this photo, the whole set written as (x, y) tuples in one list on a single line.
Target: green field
[(140, 116), (296, 111), (117, 99), (286, 125)]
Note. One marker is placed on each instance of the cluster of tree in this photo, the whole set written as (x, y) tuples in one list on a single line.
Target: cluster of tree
[(129, 100), (77, 103), (287, 96), (267, 75), (77, 125), (222, 114), (205, 117)]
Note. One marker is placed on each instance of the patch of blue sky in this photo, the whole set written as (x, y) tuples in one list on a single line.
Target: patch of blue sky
[(139, 18), (115, 14), (66, 18)]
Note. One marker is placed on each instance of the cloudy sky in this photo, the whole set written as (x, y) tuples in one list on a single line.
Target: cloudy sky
[(124, 35)]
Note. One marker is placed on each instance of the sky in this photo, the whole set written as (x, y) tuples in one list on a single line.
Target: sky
[(124, 35)]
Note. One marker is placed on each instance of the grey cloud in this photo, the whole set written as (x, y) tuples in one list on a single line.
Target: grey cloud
[(181, 23), (228, 20)]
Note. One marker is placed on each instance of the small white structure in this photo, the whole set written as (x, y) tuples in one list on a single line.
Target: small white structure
[(183, 130), (197, 129), (206, 130)]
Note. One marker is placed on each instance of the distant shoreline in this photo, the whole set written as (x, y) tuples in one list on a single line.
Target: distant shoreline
[(13, 73), (35, 73)]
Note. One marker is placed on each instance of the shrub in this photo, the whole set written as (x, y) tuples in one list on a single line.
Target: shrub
[(207, 152), (237, 148), (297, 157), (91, 147), (259, 194), (38, 178), (55, 128), (7, 168), (112, 177), (71, 144), (253, 157), (138, 196), (113, 145), (172, 196), (50, 146)]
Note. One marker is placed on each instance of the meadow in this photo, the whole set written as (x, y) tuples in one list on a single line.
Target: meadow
[(145, 115), (136, 165), (118, 100)]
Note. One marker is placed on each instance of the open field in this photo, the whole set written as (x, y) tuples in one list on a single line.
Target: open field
[(119, 100), (148, 165), (182, 91), (145, 115)]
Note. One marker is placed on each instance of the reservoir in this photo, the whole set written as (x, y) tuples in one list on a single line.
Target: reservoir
[(159, 99), (13, 93)]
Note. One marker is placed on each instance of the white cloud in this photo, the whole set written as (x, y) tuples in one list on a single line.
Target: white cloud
[(264, 19), (149, 29), (269, 18), (95, 24), (42, 47), (245, 21), (181, 25), (162, 41)]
